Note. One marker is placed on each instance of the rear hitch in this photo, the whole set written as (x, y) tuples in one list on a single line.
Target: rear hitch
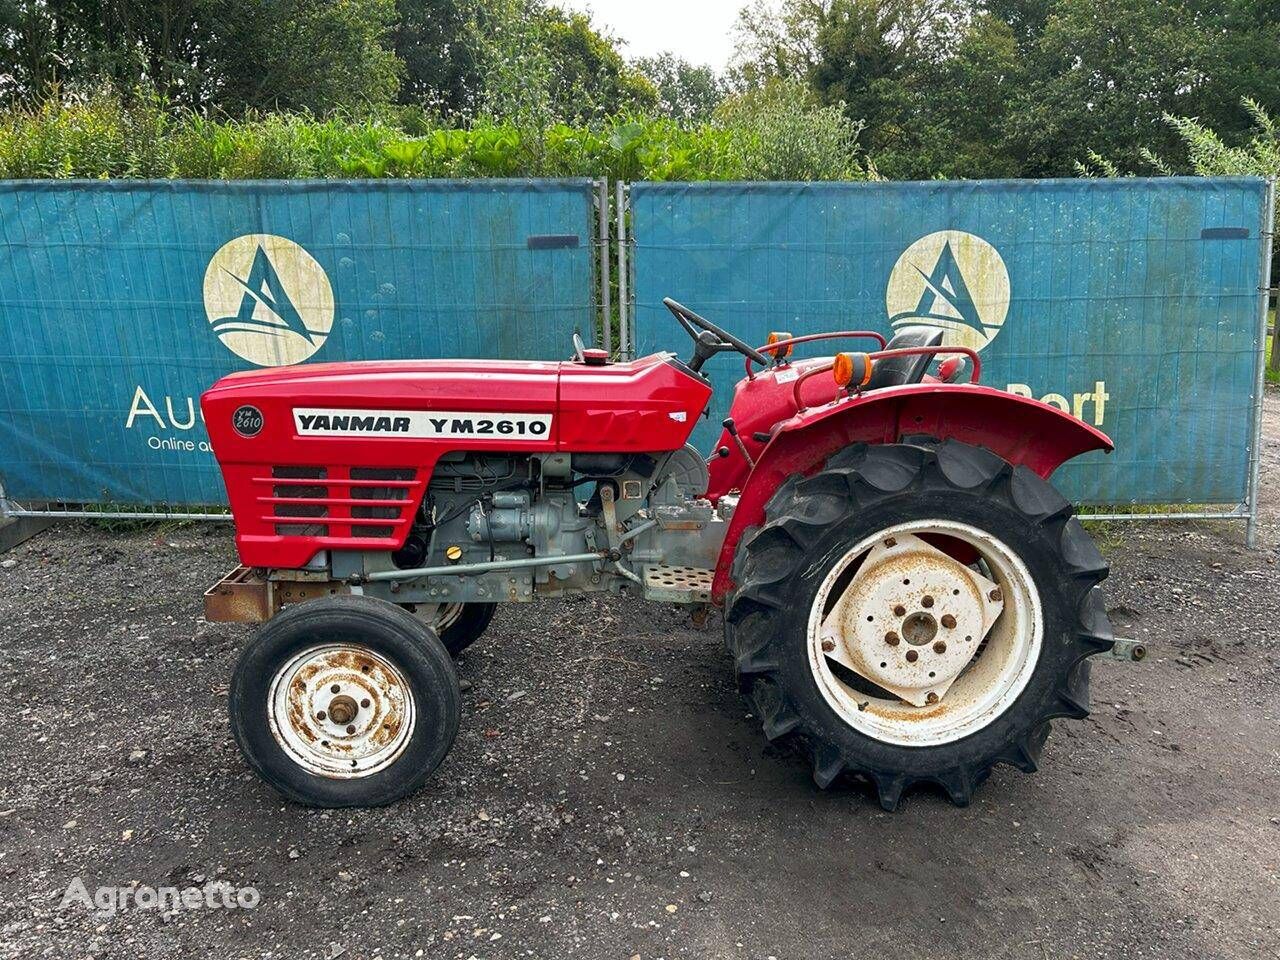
[(1129, 650)]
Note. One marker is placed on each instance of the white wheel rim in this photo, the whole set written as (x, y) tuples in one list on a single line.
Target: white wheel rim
[(968, 637), (341, 711)]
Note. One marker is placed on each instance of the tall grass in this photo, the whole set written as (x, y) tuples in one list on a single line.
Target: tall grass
[(101, 136)]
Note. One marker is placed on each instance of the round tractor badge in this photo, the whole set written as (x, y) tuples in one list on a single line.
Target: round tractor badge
[(268, 300), (954, 281), (247, 421)]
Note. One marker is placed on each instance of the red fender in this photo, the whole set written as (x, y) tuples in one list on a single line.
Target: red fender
[(1019, 429)]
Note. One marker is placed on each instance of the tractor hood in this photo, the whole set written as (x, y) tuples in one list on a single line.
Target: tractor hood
[(337, 428), (644, 405)]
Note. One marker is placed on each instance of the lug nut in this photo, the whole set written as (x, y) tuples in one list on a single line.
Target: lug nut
[(926, 601), (891, 638), (828, 646), (891, 542), (948, 621), (351, 728), (912, 656), (899, 611), (939, 647), (931, 698), (321, 715), (335, 688), (365, 703), (995, 595)]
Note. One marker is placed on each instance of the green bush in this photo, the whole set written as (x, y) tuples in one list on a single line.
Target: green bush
[(775, 135)]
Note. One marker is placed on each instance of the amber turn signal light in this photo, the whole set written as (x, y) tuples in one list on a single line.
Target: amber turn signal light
[(777, 336), (851, 369)]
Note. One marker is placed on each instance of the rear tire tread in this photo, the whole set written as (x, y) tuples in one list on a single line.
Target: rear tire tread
[(855, 479)]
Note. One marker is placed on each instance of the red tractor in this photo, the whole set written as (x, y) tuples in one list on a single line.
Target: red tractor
[(904, 593)]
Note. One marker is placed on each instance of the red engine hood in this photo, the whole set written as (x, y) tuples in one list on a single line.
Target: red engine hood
[(644, 405), (382, 425)]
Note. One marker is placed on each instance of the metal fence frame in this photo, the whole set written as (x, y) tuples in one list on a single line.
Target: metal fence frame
[(1247, 510), (617, 244)]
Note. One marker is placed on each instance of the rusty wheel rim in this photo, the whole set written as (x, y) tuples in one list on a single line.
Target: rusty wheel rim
[(341, 711), (925, 632)]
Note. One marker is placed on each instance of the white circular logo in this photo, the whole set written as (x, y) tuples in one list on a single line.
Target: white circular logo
[(268, 300), (954, 281)]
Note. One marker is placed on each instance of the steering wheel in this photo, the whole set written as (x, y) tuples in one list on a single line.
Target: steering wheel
[(708, 339)]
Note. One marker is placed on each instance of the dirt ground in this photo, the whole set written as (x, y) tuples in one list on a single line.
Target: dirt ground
[(609, 796)]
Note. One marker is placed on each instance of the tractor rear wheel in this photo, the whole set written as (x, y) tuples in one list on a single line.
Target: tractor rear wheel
[(458, 625), (345, 701), (917, 613)]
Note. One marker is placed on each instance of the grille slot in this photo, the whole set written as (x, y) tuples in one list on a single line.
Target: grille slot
[(378, 493), (317, 492)]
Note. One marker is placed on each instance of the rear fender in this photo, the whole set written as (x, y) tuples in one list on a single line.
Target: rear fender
[(1021, 430)]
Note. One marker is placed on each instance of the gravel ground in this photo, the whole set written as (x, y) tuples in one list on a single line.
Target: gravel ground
[(609, 796)]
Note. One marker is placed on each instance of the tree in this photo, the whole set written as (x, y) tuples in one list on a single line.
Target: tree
[(591, 80), (540, 66), (232, 54), (441, 64), (1104, 72), (317, 55), (781, 132), (86, 42), (876, 57), (1019, 87), (964, 107), (686, 93), (775, 42)]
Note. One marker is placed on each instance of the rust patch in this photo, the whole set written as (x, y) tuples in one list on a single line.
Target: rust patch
[(245, 595), (242, 596), (914, 715), (371, 712)]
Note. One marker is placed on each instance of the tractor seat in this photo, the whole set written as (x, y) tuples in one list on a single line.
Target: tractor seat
[(895, 371)]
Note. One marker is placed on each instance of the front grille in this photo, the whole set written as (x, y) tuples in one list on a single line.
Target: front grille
[(332, 501)]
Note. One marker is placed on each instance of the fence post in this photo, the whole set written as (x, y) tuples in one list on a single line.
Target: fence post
[(1274, 361), (1260, 386), (602, 248), (623, 303)]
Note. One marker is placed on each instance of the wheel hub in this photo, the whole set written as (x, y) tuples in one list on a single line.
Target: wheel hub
[(341, 710), (919, 628), (908, 590)]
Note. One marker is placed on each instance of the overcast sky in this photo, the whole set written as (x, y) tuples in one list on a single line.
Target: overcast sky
[(700, 31)]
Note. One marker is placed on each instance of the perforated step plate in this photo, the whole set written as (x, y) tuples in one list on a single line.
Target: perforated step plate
[(677, 584)]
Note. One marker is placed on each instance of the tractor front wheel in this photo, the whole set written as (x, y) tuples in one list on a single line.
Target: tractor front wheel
[(345, 701), (917, 613)]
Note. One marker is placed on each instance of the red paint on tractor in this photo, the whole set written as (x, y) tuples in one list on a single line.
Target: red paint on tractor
[(647, 405), (1021, 430), (760, 404)]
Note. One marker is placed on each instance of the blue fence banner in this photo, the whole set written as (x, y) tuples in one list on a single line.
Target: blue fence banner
[(121, 302), (1131, 303)]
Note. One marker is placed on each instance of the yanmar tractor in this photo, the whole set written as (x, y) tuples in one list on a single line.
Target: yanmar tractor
[(904, 593)]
